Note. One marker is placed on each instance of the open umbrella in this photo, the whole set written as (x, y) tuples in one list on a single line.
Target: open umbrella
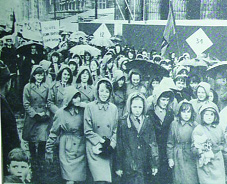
[(26, 47), (194, 63), (213, 70), (77, 35), (102, 42), (147, 68), (80, 49)]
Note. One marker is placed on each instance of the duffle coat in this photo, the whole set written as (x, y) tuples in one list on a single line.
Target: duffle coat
[(179, 149), (100, 120), (87, 95), (35, 101), (71, 144)]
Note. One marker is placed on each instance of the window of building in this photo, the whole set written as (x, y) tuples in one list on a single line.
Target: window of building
[(102, 4)]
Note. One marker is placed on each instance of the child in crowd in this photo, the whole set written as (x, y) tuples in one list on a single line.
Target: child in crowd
[(18, 166), (180, 157), (68, 125), (137, 150), (100, 128), (209, 146)]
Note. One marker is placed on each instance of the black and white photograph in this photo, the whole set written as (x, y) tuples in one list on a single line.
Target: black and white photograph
[(113, 91)]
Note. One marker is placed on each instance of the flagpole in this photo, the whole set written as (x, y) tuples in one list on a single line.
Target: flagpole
[(178, 47)]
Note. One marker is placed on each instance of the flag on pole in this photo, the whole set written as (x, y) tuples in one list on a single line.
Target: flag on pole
[(170, 29)]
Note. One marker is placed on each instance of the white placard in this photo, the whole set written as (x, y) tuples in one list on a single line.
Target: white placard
[(199, 41), (50, 33), (102, 32)]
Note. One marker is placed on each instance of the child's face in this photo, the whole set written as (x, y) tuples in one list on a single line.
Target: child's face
[(201, 94), (39, 77), (19, 169), (208, 117), (155, 84), (211, 96), (84, 76), (163, 102), (65, 76), (93, 66), (186, 115), (180, 84), (135, 79), (121, 82), (76, 101), (193, 85), (103, 92), (72, 67), (137, 107)]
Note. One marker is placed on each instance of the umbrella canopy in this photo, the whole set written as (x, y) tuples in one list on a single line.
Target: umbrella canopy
[(220, 67), (26, 47), (80, 49), (194, 63), (76, 35), (102, 42), (147, 68)]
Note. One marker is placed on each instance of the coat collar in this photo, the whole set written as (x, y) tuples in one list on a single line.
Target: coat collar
[(41, 90), (102, 105)]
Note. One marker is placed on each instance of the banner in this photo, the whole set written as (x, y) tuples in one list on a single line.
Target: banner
[(50, 33), (31, 30)]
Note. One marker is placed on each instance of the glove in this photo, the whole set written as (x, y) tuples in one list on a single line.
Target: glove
[(106, 143), (107, 151)]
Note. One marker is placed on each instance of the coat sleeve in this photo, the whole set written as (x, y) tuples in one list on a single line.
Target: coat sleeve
[(113, 141), (54, 133), (27, 102), (93, 137), (50, 101), (195, 133), (171, 141), (154, 156), (119, 148)]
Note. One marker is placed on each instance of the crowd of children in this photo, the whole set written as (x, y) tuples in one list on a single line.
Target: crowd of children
[(94, 120)]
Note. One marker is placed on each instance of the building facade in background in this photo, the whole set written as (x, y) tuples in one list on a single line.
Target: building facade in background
[(158, 9)]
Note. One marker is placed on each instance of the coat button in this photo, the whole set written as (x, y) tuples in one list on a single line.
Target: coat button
[(108, 126), (74, 143), (98, 126), (139, 147)]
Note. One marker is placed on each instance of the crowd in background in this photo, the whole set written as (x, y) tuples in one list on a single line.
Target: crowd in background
[(93, 117)]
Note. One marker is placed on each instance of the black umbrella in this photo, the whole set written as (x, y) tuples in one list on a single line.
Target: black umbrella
[(220, 67), (147, 68), (26, 47)]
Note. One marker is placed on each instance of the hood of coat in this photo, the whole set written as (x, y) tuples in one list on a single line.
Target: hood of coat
[(81, 70), (211, 107), (159, 91), (97, 85), (133, 96), (181, 103), (69, 93), (205, 86), (34, 67), (118, 74), (45, 64)]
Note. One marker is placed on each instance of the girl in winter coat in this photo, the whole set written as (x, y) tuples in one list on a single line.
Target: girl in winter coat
[(74, 68), (84, 84), (179, 152), (100, 127), (162, 116), (68, 124), (95, 71), (202, 94), (37, 115), (209, 146), (137, 150), (55, 97), (119, 92)]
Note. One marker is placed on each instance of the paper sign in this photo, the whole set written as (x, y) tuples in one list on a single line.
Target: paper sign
[(50, 33), (199, 42), (31, 30), (102, 32)]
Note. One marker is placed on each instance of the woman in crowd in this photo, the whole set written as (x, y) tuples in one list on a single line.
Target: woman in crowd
[(74, 68), (137, 150), (119, 92), (202, 93), (68, 126), (84, 84), (37, 117), (135, 83), (180, 156), (55, 97), (153, 84), (55, 64), (100, 128), (87, 58), (95, 71), (209, 146)]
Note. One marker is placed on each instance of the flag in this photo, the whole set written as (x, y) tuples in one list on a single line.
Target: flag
[(170, 30)]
